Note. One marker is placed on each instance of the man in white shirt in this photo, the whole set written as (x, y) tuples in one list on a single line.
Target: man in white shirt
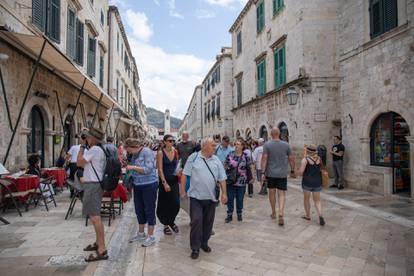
[(257, 158), (93, 161)]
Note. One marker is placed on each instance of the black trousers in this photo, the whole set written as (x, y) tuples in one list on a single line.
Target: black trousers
[(202, 214)]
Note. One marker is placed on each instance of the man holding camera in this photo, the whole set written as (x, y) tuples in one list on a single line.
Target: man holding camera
[(93, 164)]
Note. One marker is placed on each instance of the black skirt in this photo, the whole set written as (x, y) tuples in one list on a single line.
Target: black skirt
[(168, 202)]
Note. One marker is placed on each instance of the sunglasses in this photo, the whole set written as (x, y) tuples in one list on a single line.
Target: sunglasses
[(171, 141)]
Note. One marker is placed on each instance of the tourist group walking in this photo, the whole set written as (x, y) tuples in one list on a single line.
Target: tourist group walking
[(195, 176)]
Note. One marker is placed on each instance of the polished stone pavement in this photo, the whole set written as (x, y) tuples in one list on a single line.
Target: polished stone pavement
[(359, 239)]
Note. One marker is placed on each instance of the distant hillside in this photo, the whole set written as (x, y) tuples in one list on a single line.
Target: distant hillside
[(156, 118)]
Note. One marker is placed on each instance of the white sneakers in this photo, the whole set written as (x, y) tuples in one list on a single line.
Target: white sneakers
[(144, 239)]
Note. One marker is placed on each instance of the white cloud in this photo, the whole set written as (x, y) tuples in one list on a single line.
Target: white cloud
[(167, 80), (173, 10), (227, 3), (140, 27), (204, 14)]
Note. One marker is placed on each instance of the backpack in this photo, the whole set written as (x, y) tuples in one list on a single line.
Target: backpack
[(112, 172)]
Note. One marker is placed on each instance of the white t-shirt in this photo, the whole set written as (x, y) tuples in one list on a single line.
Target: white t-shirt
[(73, 151), (96, 156), (257, 157)]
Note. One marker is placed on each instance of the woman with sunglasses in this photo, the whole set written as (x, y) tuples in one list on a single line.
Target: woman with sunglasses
[(168, 193)]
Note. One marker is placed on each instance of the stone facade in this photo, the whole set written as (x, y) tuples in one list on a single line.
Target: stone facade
[(306, 30), (377, 78), (216, 97), (193, 118), (46, 124)]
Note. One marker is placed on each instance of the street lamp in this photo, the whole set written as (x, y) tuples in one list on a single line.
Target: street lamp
[(292, 95)]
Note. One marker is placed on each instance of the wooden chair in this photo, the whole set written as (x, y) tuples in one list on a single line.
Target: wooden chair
[(46, 192), (9, 194), (107, 210)]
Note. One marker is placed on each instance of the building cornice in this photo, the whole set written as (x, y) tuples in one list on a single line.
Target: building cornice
[(279, 41), (91, 27), (260, 57), (241, 15), (219, 59)]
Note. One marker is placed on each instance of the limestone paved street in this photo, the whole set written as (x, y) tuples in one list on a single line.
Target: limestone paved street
[(351, 243), (354, 242)]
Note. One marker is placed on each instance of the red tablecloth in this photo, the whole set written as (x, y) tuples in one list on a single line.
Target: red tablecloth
[(24, 183), (58, 173), (120, 192)]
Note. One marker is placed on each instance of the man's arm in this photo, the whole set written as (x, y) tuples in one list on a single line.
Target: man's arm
[(223, 187), (263, 165), (182, 185), (80, 160)]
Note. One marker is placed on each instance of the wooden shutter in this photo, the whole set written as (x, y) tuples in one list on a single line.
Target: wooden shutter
[(275, 6), (390, 14), (91, 57), (39, 14), (79, 42), (264, 78), (260, 16), (376, 19), (280, 68), (54, 20), (71, 35), (218, 107), (239, 43), (101, 71)]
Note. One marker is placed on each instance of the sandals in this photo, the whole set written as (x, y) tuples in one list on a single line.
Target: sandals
[(273, 216), (174, 227), (167, 231), (281, 221), (97, 257), (91, 247), (306, 218)]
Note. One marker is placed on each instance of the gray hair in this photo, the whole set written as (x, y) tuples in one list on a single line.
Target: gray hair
[(185, 132), (260, 141), (206, 141)]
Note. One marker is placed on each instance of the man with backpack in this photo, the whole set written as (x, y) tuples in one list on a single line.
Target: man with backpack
[(94, 162)]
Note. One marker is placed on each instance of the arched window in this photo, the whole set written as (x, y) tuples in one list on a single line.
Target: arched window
[(36, 137), (263, 133), (390, 148), (284, 132), (238, 134)]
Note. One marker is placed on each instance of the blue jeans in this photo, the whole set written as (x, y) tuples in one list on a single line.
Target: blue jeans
[(232, 192)]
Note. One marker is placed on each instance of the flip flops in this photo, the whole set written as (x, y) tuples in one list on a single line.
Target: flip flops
[(91, 247), (97, 257)]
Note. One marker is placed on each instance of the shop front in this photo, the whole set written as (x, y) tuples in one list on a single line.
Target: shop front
[(390, 147)]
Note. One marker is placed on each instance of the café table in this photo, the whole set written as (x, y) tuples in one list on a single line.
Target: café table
[(58, 173), (23, 183)]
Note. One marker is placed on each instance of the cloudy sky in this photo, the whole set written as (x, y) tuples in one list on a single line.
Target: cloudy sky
[(175, 43)]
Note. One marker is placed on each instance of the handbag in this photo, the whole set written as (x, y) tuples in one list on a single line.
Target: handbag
[(216, 189), (324, 176), (233, 173)]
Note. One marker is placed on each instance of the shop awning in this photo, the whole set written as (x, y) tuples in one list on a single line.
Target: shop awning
[(129, 121), (56, 61)]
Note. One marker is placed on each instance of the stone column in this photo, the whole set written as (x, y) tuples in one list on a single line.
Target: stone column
[(410, 140)]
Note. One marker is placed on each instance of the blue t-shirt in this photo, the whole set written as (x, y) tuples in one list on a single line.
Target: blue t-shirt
[(222, 153), (145, 159)]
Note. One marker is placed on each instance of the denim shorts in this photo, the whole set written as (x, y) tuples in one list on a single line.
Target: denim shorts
[(311, 189)]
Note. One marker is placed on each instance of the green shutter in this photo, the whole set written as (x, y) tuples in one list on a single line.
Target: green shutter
[(71, 36), (91, 57), (264, 78), (79, 42), (54, 20), (280, 67), (390, 14), (260, 19), (39, 13)]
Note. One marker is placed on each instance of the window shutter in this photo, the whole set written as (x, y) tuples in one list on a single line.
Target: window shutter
[(39, 13), (71, 36), (79, 42), (258, 18), (91, 57), (54, 20), (390, 15), (101, 71), (218, 107), (375, 9), (274, 6), (264, 78)]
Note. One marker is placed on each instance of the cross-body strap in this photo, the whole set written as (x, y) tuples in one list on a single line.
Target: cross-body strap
[(208, 167), (99, 180)]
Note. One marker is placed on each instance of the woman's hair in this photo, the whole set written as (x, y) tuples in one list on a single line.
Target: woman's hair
[(312, 151), (167, 136), (242, 142), (33, 159), (132, 143)]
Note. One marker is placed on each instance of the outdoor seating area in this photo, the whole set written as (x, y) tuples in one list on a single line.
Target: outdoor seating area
[(21, 192)]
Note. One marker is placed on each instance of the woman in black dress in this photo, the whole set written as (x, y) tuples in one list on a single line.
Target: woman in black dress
[(168, 193)]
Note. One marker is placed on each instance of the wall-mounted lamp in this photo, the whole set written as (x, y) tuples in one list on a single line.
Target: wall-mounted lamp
[(292, 95)]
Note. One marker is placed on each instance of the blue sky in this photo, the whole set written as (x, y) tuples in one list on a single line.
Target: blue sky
[(175, 43)]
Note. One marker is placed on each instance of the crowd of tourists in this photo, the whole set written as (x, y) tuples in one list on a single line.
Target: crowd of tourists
[(195, 176)]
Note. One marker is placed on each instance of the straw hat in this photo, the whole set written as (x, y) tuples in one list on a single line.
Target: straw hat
[(132, 143), (96, 133)]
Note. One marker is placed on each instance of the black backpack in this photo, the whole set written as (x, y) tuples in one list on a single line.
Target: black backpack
[(112, 172)]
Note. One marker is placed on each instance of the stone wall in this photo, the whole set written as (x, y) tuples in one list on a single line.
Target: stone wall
[(377, 77), (16, 78)]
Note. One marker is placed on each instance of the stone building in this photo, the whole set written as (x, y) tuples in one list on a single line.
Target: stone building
[(193, 118), (123, 80), (54, 76), (375, 55), (216, 97), (281, 45)]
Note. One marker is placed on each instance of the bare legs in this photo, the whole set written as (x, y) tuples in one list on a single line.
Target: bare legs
[(281, 198), (141, 228), (316, 200), (100, 234)]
